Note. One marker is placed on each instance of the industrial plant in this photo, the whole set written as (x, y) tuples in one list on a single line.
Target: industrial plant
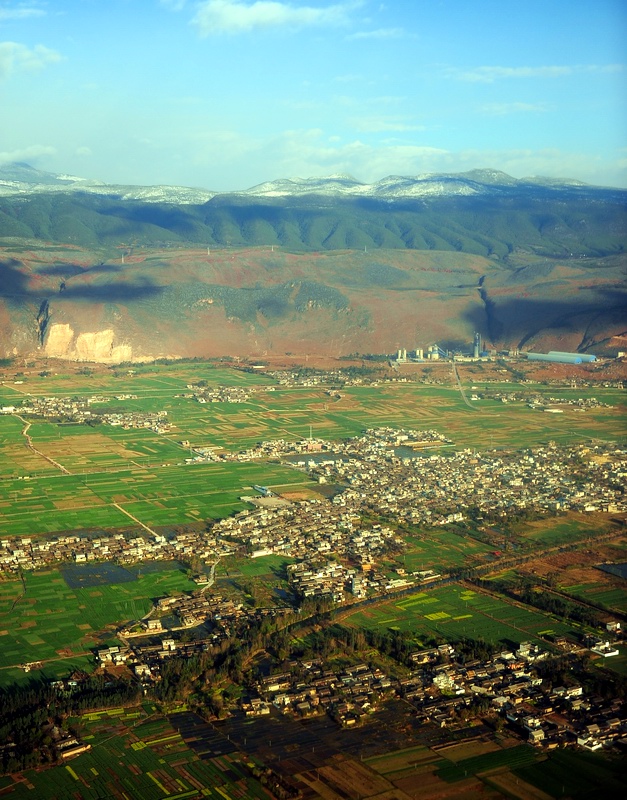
[(435, 352)]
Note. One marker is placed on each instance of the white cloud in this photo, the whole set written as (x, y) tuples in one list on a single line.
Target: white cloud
[(380, 33), (310, 153), (20, 11), (379, 124), (490, 74), (501, 109), (15, 57), (26, 153), (348, 78), (604, 68), (235, 16), (83, 151)]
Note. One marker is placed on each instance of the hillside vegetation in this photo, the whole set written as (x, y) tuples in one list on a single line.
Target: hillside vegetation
[(98, 277), (544, 222)]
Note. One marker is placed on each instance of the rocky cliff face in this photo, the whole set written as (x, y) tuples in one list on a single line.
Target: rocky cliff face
[(61, 341)]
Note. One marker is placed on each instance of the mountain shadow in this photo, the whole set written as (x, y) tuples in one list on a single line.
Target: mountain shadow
[(519, 319)]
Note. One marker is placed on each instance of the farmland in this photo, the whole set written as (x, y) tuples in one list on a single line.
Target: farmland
[(283, 412), (576, 573), (167, 495), (97, 479), (576, 775), (44, 620), (558, 531), (77, 476), (440, 550), (458, 611), (138, 753)]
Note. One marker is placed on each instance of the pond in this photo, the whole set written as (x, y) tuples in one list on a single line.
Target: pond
[(82, 576)]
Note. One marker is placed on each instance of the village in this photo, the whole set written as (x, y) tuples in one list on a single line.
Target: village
[(445, 685), (430, 489), (445, 689), (78, 410), (335, 548)]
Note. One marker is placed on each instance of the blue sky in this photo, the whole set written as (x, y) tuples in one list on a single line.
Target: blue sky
[(225, 94)]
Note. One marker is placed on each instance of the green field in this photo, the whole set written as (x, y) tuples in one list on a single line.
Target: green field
[(264, 566), (455, 611), (550, 532), (616, 664), (514, 757), (577, 775), (52, 623), (614, 597), (160, 496), (119, 478), (137, 754), (281, 413), (144, 474), (442, 549)]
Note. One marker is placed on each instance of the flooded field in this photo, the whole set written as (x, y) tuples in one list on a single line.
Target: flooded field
[(84, 576)]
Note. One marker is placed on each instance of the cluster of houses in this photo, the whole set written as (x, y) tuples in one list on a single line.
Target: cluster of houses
[(308, 377), (541, 401), (220, 394), (331, 579), (22, 552), (444, 689), (336, 377), (225, 616), (78, 409), (147, 645), (346, 694), (547, 716), (156, 421), (427, 489), (200, 455), (430, 488), (306, 529), (276, 448)]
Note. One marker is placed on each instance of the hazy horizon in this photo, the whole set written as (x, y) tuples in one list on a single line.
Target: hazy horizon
[(228, 94)]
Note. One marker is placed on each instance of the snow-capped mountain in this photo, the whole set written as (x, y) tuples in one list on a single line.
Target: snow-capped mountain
[(24, 179), (16, 179), (397, 187)]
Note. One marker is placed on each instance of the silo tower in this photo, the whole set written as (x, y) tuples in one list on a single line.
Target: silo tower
[(477, 345)]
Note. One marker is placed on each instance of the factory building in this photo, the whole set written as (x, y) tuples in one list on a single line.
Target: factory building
[(556, 358), (585, 357)]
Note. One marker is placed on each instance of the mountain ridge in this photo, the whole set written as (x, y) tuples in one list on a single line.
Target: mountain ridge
[(19, 178), (97, 276)]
